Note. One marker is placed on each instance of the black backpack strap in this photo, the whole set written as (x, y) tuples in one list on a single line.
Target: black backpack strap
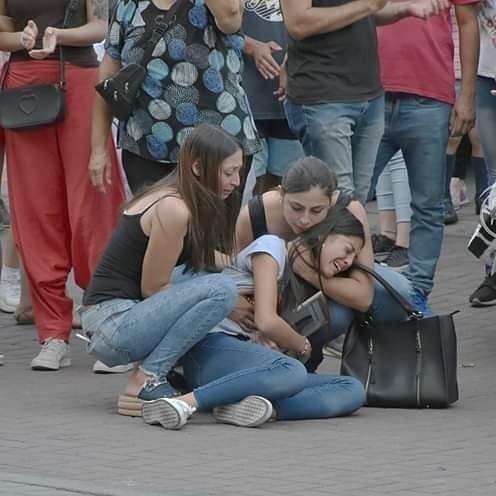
[(256, 210)]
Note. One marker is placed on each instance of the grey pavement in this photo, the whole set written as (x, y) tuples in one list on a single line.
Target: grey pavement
[(60, 434)]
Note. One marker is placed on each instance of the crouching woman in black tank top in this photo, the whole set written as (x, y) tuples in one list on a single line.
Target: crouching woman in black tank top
[(135, 310)]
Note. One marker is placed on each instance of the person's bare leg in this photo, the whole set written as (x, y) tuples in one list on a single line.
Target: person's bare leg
[(387, 223), (10, 257), (403, 234)]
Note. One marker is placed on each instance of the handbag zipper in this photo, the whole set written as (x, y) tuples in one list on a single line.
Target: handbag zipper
[(419, 366), (369, 372)]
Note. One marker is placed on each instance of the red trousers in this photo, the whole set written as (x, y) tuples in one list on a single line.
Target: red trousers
[(60, 220)]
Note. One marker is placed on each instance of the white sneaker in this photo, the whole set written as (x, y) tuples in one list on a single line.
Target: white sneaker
[(101, 368), (1, 358), (54, 354), (458, 192), (170, 413), (10, 294), (250, 412)]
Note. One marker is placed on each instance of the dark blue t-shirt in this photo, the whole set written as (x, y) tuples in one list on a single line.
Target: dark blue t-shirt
[(263, 22)]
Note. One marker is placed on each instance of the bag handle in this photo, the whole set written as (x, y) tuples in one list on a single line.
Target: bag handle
[(162, 24), (407, 307)]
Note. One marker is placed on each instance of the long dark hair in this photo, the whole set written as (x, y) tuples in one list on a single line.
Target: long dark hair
[(306, 173), (213, 220), (339, 220)]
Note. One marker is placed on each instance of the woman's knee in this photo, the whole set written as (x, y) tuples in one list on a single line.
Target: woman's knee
[(348, 398), (385, 307), (221, 288), (285, 377)]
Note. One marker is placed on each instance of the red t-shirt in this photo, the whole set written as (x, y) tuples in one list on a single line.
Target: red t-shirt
[(417, 56)]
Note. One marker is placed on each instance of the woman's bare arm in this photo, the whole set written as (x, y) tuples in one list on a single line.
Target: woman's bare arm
[(93, 31), (267, 320), (228, 14)]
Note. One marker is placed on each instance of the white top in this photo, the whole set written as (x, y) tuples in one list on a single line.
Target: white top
[(242, 272)]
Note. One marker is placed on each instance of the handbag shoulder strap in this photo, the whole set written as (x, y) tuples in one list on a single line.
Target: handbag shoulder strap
[(152, 36), (407, 307), (71, 10)]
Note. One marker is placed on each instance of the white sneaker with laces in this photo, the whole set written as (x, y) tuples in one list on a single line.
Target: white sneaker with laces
[(170, 413), (250, 412), (10, 294), (101, 368), (54, 354)]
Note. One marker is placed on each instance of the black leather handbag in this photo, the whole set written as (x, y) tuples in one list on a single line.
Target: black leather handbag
[(403, 364), (29, 107), (121, 90)]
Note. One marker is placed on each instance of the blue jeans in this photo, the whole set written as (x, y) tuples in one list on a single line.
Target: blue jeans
[(223, 369), (344, 135), (384, 306), (418, 126), (486, 122), (162, 328), (393, 190), (275, 156)]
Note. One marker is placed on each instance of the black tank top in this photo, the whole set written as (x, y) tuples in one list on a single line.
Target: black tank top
[(256, 210), (118, 275), (50, 13)]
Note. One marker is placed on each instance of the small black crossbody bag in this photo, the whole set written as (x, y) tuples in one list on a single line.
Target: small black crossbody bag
[(120, 91)]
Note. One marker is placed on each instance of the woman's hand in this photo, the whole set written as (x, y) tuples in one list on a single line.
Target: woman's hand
[(266, 64), (28, 36), (243, 314), (49, 45), (100, 170)]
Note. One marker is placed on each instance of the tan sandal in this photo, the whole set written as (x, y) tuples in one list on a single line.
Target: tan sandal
[(129, 406)]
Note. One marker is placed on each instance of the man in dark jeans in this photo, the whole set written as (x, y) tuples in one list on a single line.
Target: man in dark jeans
[(335, 101)]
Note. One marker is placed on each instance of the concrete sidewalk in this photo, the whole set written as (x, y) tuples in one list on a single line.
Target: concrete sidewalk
[(60, 434)]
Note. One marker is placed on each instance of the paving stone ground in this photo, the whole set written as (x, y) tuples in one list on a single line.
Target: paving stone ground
[(60, 434)]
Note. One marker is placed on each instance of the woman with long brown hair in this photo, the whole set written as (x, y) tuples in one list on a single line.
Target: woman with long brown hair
[(139, 306)]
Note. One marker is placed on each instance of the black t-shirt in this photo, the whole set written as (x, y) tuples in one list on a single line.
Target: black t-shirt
[(340, 66), (47, 13)]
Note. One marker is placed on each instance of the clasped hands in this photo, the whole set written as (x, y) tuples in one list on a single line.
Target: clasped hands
[(28, 38)]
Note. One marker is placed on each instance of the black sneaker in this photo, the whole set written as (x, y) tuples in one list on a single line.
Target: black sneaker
[(485, 294), (381, 245), (450, 215), (397, 258)]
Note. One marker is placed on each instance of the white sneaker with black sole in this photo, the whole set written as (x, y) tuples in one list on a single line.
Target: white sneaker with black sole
[(54, 355), (170, 413), (250, 412)]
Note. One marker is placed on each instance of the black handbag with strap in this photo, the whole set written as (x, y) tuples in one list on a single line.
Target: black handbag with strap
[(403, 364), (121, 90), (28, 107)]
